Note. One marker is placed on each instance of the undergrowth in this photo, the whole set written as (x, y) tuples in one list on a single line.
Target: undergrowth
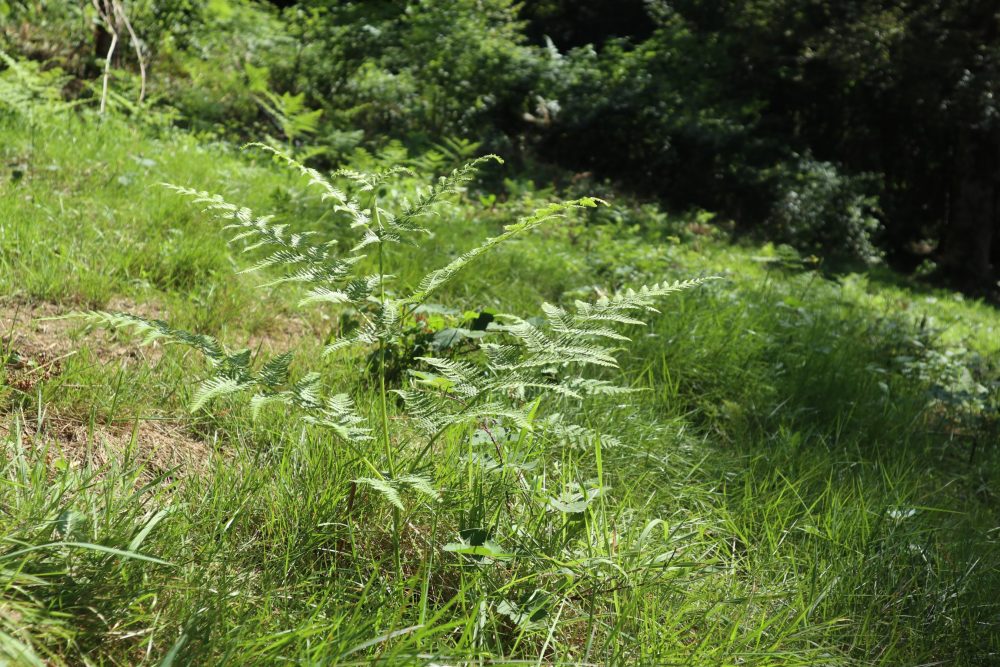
[(803, 471)]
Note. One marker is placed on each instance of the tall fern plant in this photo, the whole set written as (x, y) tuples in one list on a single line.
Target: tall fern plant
[(502, 388)]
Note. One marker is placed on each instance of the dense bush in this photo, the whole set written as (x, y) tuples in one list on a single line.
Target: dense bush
[(822, 211), (698, 104)]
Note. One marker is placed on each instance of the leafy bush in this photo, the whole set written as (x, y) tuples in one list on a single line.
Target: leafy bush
[(29, 91), (823, 211), (417, 70)]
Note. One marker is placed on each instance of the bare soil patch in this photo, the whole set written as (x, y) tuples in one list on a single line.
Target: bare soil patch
[(157, 446), (38, 333)]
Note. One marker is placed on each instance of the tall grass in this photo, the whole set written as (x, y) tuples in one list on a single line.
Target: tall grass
[(788, 490)]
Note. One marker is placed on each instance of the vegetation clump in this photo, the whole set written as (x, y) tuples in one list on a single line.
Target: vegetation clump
[(499, 392), (452, 425)]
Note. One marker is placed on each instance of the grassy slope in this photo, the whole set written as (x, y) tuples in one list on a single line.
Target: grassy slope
[(784, 496)]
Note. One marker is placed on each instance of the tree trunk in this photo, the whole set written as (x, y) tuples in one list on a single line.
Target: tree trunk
[(102, 42)]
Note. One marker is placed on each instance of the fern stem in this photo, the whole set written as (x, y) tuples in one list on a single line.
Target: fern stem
[(386, 441), (382, 344), (434, 438)]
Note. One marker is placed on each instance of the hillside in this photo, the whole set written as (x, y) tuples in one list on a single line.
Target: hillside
[(806, 474)]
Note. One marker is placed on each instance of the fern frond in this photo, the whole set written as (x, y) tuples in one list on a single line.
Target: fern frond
[(528, 365), (595, 387), (446, 185), (458, 378), (303, 261), (153, 330), (384, 326), (425, 410), (341, 202), (615, 308), (233, 374), (390, 489), (421, 485), (339, 415), (459, 372), (372, 181), (217, 387), (436, 279), (431, 412), (274, 373), (544, 349), (384, 488), (567, 433), (358, 292)]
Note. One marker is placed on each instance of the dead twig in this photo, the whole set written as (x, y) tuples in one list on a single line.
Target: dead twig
[(112, 14)]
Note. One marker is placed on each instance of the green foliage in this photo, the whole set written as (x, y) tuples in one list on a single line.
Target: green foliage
[(785, 463), (503, 390), (288, 111), (821, 211), (699, 104), (495, 463), (429, 69), (30, 91)]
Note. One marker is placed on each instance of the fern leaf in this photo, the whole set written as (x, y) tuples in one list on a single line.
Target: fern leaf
[(216, 387), (275, 372), (303, 262), (153, 330), (568, 433), (339, 414), (436, 279), (384, 488), (445, 186), (330, 192), (421, 485)]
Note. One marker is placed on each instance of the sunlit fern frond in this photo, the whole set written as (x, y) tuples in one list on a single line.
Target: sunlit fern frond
[(392, 489), (339, 414), (153, 330), (531, 361), (425, 201), (617, 307), (295, 253), (233, 373), (341, 202), (384, 325), (358, 291), (566, 433), (437, 279), (384, 488)]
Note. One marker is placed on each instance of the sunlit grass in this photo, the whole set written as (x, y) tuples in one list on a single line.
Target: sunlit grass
[(787, 493)]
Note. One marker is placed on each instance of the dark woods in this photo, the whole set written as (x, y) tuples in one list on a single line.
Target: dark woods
[(904, 94), (725, 105), (855, 130)]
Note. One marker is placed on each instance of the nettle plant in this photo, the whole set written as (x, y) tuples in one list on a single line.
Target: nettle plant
[(495, 396)]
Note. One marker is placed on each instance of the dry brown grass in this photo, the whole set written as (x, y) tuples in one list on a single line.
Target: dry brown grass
[(158, 446), (37, 339)]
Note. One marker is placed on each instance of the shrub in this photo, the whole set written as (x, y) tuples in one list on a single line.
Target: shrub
[(823, 211)]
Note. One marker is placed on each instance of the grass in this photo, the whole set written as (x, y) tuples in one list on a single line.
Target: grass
[(809, 477)]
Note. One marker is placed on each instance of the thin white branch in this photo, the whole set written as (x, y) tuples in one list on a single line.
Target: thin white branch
[(120, 10)]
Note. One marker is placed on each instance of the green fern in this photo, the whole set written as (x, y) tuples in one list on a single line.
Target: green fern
[(522, 370), (390, 489), (28, 90)]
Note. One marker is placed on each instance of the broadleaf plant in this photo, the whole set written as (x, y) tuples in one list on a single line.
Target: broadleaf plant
[(507, 391)]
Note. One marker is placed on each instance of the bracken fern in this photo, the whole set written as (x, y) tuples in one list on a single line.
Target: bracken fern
[(512, 384)]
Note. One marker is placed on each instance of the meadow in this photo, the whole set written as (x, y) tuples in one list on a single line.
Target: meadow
[(805, 474)]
